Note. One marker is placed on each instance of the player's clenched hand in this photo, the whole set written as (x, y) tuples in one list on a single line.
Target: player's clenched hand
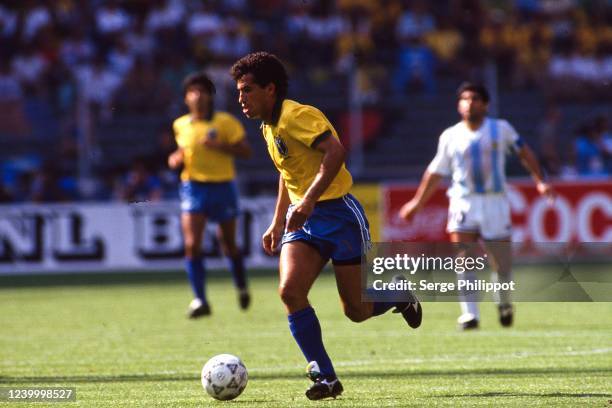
[(408, 210), (299, 215), (272, 237), (175, 159)]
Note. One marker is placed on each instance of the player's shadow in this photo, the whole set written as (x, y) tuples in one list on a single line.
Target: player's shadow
[(283, 375), (96, 378), (479, 372), (524, 394)]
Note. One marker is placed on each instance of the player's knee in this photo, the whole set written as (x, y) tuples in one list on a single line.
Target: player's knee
[(230, 250), (502, 273), (290, 296), (225, 250), (192, 250)]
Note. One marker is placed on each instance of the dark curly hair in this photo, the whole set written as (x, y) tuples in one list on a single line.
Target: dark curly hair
[(266, 68), (473, 87), (199, 78)]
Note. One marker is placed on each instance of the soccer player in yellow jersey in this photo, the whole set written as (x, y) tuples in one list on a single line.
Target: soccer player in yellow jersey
[(316, 219), (208, 141)]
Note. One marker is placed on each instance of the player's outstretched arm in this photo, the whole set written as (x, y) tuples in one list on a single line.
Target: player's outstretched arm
[(530, 162), (273, 235), (428, 185), (333, 158)]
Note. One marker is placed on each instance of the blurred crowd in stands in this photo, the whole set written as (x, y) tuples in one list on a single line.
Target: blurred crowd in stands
[(128, 57)]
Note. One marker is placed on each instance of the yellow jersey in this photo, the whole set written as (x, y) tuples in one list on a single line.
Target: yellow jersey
[(200, 162), (289, 142)]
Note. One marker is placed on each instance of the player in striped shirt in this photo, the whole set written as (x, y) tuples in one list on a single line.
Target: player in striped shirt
[(473, 154)]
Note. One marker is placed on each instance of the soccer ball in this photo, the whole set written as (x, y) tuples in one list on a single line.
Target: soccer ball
[(224, 377)]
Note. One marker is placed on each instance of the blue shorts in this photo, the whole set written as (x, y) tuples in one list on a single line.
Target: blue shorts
[(337, 228), (217, 201)]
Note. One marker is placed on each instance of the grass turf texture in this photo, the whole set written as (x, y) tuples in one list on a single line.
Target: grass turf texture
[(126, 342)]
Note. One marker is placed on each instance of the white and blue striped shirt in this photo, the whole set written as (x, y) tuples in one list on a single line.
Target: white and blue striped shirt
[(475, 160)]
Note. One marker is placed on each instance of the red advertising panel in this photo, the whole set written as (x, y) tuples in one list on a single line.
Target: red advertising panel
[(582, 212)]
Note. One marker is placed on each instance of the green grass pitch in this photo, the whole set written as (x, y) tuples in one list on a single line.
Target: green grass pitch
[(129, 344)]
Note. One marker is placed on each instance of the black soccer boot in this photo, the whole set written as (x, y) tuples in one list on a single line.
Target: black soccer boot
[(506, 314), (244, 299), (411, 309), (324, 388), (411, 312)]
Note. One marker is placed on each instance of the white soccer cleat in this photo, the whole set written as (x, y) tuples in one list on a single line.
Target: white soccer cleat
[(467, 321), (197, 308)]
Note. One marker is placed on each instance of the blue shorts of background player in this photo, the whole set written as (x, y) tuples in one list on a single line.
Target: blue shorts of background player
[(338, 229), (217, 201)]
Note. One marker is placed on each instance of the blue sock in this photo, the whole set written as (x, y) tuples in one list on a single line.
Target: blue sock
[(306, 331), (380, 307), (238, 272), (197, 277)]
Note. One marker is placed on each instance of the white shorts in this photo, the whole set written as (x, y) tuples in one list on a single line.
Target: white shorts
[(487, 215)]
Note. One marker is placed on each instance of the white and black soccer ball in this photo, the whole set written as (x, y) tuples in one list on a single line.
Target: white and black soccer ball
[(224, 377)]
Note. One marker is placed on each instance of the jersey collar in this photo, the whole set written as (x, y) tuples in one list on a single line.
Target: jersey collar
[(276, 112), (483, 125), (206, 118)]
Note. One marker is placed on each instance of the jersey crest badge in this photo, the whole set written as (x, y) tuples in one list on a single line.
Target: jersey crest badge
[(211, 134), (281, 146)]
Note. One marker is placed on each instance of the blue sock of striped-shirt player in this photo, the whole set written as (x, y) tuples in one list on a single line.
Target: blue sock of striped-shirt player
[(306, 331), (197, 276)]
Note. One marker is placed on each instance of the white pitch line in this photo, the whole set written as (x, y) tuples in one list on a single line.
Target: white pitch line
[(442, 358), (452, 357)]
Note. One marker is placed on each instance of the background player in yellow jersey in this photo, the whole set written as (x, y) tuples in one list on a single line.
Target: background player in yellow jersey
[(316, 219), (208, 141)]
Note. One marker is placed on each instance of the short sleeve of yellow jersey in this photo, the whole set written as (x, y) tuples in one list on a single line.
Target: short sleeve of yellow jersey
[(307, 125), (233, 130)]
